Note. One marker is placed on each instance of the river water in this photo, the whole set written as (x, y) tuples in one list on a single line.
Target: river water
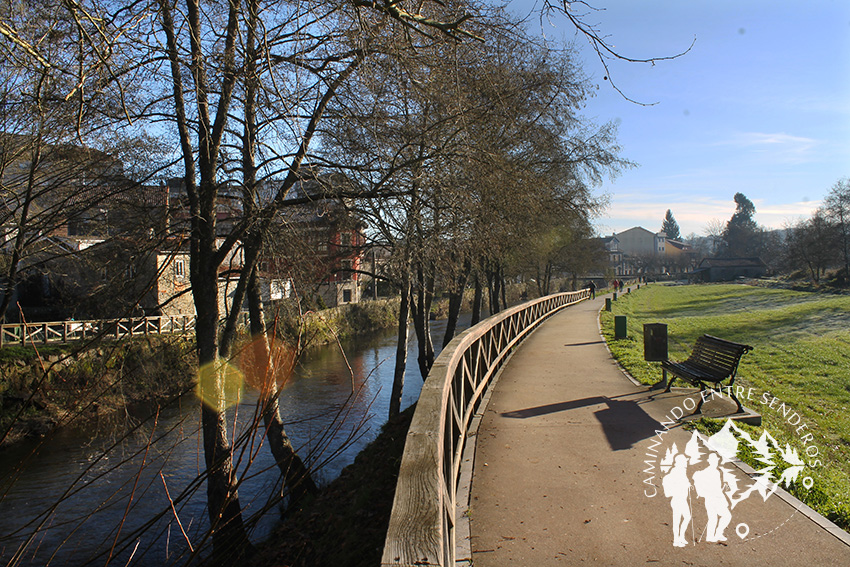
[(82, 497)]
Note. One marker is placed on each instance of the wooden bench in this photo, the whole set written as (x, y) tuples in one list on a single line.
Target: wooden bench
[(712, 361)]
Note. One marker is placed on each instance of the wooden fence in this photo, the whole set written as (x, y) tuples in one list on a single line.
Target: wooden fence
[(423, 520), (59, 332)]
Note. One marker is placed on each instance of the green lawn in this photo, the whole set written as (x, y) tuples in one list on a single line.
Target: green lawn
[(801, 356)]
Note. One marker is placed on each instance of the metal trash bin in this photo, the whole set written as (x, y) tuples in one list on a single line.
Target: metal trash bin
[(655, 342), (620, 327)]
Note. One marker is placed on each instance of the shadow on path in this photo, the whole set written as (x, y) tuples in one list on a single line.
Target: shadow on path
[(624, 422)]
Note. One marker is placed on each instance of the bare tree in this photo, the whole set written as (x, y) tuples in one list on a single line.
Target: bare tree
[(472, 168), (309, 51), (714, 231), (837, 209), (811, 244)]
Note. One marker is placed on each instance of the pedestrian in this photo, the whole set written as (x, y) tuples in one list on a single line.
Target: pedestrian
[(592, 287)]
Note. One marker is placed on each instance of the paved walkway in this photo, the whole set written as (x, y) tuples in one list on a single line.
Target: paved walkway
[(559, 470)]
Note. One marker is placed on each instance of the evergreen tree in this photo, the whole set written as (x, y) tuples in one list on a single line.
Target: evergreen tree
[(741, 237), (670, 227)]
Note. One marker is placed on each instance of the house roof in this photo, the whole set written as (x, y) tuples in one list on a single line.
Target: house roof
[(641, 229), (732, 263), (679, 245)]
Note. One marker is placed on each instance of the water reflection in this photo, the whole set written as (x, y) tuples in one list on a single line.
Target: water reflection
[(116, 499)]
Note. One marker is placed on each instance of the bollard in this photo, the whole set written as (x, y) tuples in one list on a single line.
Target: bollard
[(619, 326), (607, 304), (655, 347), (614, 296), (628, 290)]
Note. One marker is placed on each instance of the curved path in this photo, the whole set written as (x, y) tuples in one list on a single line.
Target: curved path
[(564, 457)]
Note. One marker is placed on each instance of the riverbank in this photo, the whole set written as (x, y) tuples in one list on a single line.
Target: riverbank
[(348, 321), (346, 524), (50, 387), (46, 387)]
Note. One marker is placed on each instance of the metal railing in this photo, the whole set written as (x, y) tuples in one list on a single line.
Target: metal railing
[(59, 332), (422, 525)]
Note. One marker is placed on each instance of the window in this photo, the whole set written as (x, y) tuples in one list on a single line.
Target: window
[(346, 296), (180, 268)]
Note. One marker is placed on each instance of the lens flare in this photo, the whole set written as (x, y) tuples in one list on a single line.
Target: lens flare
[(266, 365), (220, 385)]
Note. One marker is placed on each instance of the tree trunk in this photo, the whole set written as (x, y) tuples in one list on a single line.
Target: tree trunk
[(421, 320), (493, 282), (267, 371), (492, 297), (455, 303), (477, 300), (228, 530), (503, 286), (401, 348)]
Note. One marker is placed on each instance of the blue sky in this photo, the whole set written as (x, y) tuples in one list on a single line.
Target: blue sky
[(760, 105)]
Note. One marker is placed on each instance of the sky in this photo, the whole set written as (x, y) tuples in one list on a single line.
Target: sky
[(760, 104)]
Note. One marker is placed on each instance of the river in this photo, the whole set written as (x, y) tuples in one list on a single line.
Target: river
[(80, 497)]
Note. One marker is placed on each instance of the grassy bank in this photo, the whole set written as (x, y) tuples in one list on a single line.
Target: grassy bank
[(801, 356), (58, 386), (53, 386), (337, 323)]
